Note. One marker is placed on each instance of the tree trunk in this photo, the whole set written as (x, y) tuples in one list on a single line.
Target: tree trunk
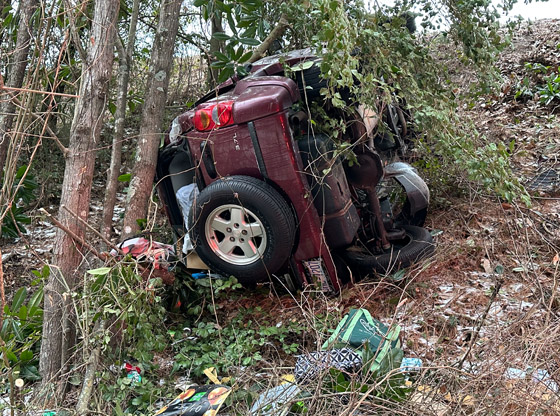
[(125, 61), (16, 73), (216, 45), (152, 117), (3, 5), (58, 339)]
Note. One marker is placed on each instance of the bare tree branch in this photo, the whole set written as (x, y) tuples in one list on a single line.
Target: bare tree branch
[(276, 33), (74, 30), (53, 135)]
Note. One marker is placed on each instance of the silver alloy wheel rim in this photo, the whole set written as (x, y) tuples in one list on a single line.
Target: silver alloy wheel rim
[(235, 234)]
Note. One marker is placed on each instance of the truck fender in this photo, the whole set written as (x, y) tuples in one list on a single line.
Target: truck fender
[(417, 193)]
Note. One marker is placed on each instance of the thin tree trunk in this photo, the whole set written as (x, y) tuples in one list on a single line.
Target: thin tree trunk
[(16, 73), (3, 5), (125, 61), (152, 116), (91, 369), (215, 46), (57, 336)]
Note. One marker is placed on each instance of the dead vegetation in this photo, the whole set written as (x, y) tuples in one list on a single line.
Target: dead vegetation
[(484, 313)]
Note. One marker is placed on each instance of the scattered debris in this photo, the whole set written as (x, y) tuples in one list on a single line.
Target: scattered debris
[(536, 375), (310, 366), (378, 344), (197, 401), (276, 401), (411, 365), (133, 373)]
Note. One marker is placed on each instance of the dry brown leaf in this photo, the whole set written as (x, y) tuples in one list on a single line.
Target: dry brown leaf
[(485, 263), (505, 205), (468, 400)]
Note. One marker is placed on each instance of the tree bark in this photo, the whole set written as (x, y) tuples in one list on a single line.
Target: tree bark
[(215, 46), (3, 5), (276, 33), (125, 61), (58, 339), (152, 116), (89, 377), (16, 73)]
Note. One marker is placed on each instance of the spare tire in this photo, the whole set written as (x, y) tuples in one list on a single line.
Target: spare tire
[(242, 226), (416, 245), (310, 82)]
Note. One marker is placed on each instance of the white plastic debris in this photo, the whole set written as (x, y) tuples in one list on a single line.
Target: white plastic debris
[(538, 376), (186, 196), (410, 364), (276, 401)]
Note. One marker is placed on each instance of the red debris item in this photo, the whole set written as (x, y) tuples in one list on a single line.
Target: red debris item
[(159, 255), (129, 368)]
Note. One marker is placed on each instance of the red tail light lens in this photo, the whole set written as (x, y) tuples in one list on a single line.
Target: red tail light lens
[(221, 114), (203, 120), (214, 116)]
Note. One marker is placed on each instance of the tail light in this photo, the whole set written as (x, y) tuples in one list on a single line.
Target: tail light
[(214, 116)]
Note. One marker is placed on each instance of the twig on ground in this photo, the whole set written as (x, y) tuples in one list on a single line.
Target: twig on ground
[(552, 296), (495, 292)]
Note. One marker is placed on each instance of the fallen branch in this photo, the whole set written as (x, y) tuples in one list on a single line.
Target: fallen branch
[(74, 236), (277, 32), (481, 323), (105, 240)]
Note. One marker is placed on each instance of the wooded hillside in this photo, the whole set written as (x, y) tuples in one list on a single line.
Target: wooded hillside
[(89, 91)]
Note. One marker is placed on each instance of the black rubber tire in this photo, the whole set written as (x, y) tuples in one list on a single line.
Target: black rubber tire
[(343, 270), (266, 206), (418, 245), (310, 82)]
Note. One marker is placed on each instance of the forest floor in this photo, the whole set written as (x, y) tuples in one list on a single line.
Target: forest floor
[(473, 342)]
